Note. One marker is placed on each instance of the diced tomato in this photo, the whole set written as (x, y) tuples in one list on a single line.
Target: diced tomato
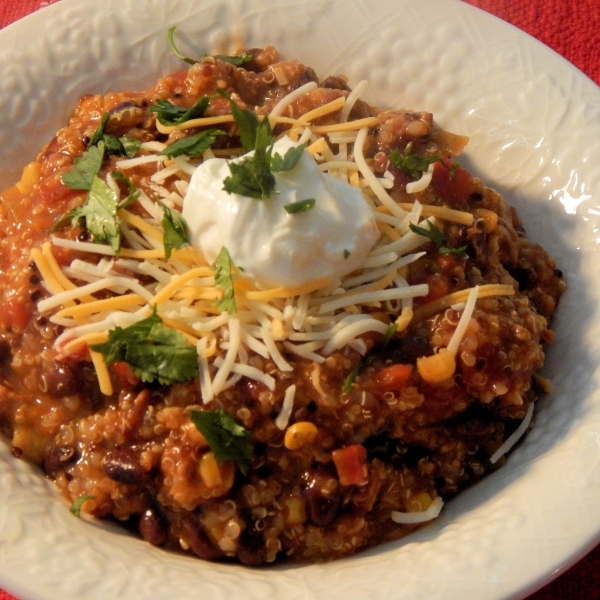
[(124, 375), (392, 378), (14, 314), (452, 183), (351, 464)]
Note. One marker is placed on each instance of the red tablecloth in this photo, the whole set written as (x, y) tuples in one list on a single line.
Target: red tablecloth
[(571, 28)]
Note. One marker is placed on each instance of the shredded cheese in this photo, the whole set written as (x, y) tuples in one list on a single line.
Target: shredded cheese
[(516, 435), (411, 518)]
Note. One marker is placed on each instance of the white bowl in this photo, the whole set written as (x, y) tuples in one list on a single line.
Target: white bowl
[(534, 123)]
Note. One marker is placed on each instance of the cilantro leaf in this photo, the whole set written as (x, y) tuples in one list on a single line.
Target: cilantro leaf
[(435, 234), (414, 165), (300, 206), (130, 145), (438, 237), (370, 358), (175, 230), (246, 120), (227, 438), (288, 161), (81, 176), (224, 281), (97, 135), (237, 61), (192, 145), (252, 175), (78, 503), (100, 214), (171, 114), (155, 352), (123, 146)]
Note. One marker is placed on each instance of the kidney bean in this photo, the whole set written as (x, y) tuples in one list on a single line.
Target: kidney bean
[(153, 527), (60, 381), (323, 497), (59, 457), (252, 550), (200, 542), (123, 465)]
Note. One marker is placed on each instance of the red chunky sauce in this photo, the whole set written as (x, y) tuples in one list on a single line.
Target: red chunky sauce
[(353, 451)]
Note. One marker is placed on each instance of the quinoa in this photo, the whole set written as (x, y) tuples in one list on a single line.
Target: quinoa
[(136, 455)]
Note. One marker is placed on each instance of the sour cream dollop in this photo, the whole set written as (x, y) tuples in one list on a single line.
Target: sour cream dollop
[(276, 248)]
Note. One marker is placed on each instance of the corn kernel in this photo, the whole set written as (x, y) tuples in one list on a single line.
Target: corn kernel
[(296, 511), (299, 434), (30, 176), (437, 367), (209, 471)]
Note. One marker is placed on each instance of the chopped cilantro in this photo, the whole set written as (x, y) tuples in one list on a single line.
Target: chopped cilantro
[(252, 175), (174, 228), (171, 114), (193, 145), (224, 281), (237, 61), (438, 237), (81, 176), (154, 351), (132, 192), (246, 120), (124, 146), (370, 358), (100, 214), (300, 206), (346, 253), (78, 503), (288, 161), (227, 438), (414, 165)]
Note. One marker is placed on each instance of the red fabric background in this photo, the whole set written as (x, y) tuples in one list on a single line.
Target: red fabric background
[(571, 28)]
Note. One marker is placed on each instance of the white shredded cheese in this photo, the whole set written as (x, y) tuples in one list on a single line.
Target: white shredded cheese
[(421, 184), (516, 435), (419, 517), (283, 418)]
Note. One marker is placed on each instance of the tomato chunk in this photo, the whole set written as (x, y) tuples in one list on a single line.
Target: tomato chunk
[(351, 464), (124, 374), (453, 183), (392, 378), (14, 314)]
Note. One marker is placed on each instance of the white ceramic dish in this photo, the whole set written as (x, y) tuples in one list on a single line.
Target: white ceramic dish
[(534, 123)]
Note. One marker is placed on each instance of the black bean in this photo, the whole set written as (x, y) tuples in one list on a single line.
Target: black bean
[(5, 353), (59, 457), (199, 541), (323, 497), (123, 465), (252, 551), (335, 82), (60, 381), (153, 527)]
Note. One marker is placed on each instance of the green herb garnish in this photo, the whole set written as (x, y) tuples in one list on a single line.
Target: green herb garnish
[(246, 120), (100, 214), (192, 145), (252, 176), (370, 358), (81, 176), (171, 114), (174, 228), (123, 146), (288, 161), (414, 165), (224, 281), (438, 237), (226, 436), (155, 352), (300, 206), (78, 503), (237, 61)]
